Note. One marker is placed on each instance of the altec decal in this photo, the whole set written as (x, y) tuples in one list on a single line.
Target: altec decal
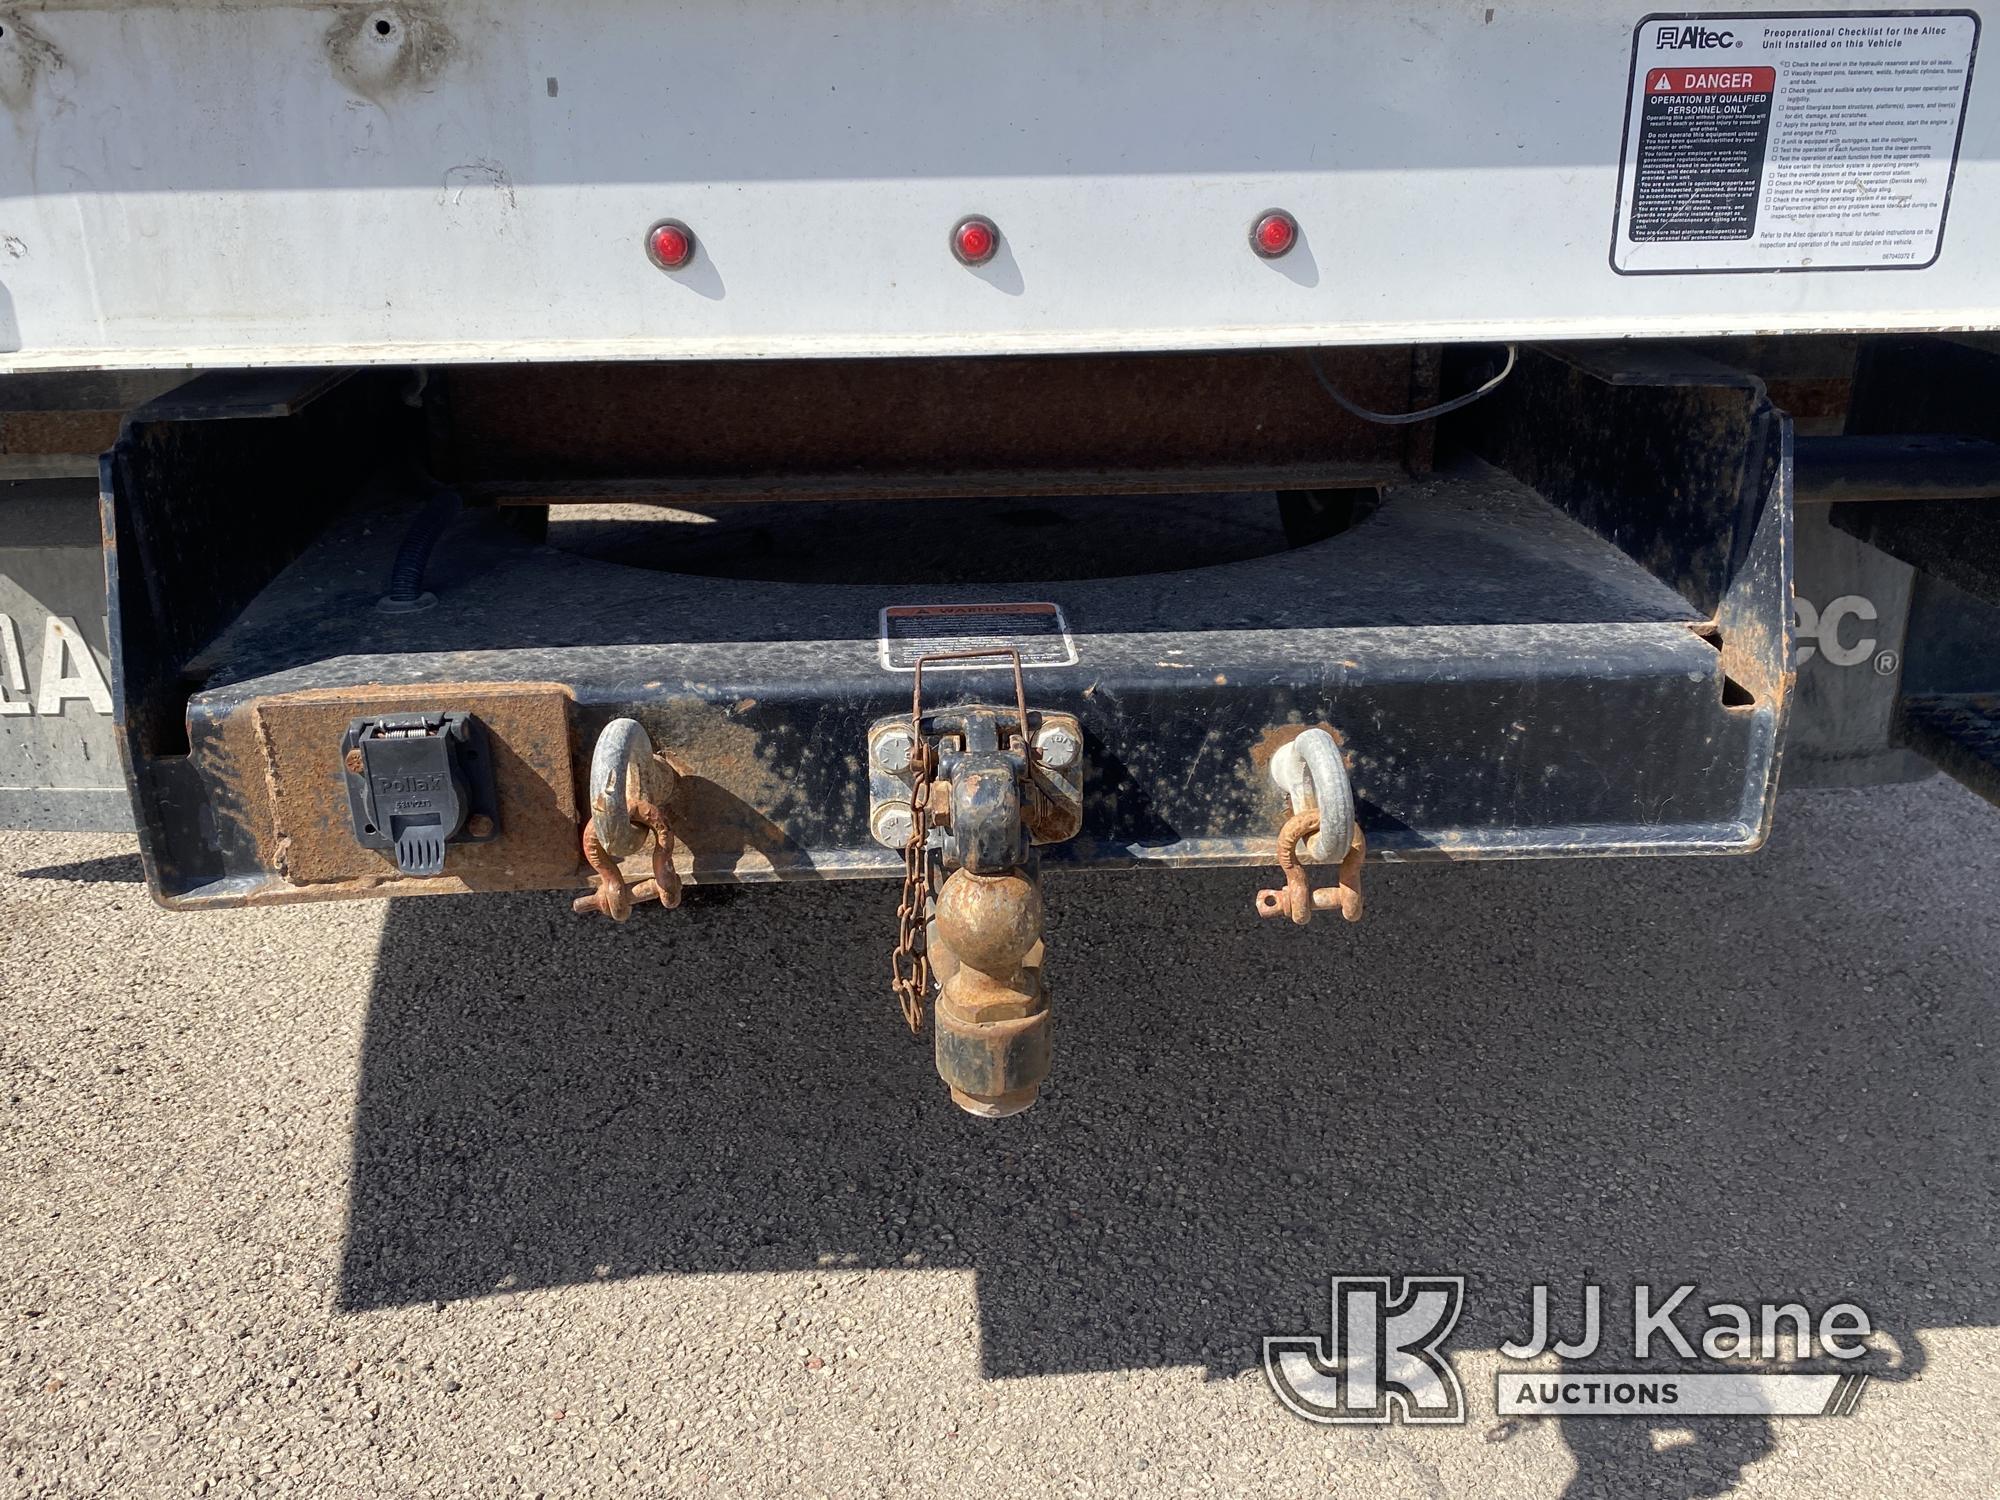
[(69, 671), (1676, 38)]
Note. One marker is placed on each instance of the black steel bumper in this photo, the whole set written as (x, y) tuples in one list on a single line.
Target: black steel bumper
[(1574, 641)]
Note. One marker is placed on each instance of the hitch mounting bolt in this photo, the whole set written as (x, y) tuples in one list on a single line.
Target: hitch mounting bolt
[(891, 750), (891, 824), (1057, 748)]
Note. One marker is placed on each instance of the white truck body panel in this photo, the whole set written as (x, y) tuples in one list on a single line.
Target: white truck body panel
[(198, 183)]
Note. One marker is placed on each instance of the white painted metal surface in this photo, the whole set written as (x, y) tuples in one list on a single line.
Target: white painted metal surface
[(192, 182)]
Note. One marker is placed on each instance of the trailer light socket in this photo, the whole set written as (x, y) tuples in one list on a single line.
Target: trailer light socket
[(416, 782)]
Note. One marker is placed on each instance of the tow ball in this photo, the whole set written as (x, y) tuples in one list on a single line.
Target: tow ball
[(972, 791)]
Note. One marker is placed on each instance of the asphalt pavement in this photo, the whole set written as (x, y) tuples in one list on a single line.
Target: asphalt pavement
[(471, 1196)]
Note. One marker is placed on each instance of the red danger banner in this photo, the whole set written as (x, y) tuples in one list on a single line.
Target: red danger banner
[(1711, 81)]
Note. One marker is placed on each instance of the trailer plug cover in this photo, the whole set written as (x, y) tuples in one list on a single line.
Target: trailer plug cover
[(416, 782)]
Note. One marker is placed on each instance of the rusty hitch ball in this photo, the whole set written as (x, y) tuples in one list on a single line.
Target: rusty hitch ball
[(992, 1014), (1298, 900)]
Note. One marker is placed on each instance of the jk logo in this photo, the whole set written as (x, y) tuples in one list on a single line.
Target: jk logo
[(1382, 1358)]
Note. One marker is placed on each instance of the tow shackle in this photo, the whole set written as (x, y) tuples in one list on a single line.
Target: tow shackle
[(631, 786)]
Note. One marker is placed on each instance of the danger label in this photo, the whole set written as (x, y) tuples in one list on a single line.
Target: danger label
[(913, 631), (1797, 142), (1702, 136)]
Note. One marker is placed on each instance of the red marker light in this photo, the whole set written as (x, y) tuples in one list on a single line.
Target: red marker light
[(670, 243), (974, 240), (1274, 234)]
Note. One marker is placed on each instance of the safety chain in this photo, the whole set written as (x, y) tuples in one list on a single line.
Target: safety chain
[(910, 962)]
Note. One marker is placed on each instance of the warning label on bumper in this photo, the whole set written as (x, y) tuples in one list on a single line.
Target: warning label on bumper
[(1038, 631), (1805, 141)]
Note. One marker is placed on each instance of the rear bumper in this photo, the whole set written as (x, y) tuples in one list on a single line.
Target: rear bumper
[(1578, 645)]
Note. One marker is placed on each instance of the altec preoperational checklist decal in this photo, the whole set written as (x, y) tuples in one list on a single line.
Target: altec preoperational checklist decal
[(1802, 141)]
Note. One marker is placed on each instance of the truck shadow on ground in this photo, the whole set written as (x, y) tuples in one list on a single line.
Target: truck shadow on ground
[(1771, 1077)]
